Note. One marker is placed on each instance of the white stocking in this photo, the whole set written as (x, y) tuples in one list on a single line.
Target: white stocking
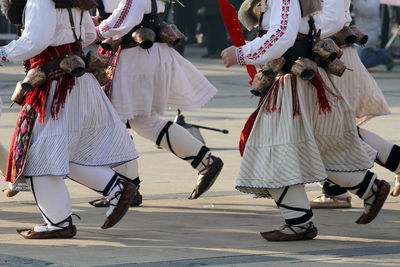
[(175, 139), (388, 153), (52, 197), (129, 169), (95, 178), (358, 183), (293, 197)]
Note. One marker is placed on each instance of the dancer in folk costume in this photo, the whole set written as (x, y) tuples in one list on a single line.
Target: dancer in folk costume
[(66, 126), (303, 131), (147, 81), (364, 96)]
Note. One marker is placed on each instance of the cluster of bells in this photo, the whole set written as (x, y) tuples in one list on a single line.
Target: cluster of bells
[(76, 64), (327, 53)]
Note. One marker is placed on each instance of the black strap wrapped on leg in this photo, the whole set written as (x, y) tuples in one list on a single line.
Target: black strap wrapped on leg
[(362, 187), (202, 153), (393, 161), (295, 221)]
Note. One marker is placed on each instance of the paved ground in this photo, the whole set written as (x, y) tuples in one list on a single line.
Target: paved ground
[(220, 229)]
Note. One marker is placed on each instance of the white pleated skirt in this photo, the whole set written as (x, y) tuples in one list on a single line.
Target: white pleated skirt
[(360, 88), (149, 81), (283, 150), (87, 132)]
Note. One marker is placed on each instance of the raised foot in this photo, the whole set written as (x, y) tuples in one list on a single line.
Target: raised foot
[(126, 197), (207, 177), (379, 196)]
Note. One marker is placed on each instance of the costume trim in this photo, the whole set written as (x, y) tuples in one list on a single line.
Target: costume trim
[(99, 35), (240, 56), (124, 13)]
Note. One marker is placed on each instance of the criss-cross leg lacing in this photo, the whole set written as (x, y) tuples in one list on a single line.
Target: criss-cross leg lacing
[(369, 201), (296, 229), (205, 163), (115, 194)]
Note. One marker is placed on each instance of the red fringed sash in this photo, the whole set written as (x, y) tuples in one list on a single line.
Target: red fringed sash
[(271, 104), (38, 97), (35, 103)]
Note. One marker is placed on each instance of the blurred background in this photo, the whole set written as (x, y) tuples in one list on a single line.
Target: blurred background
[(201, 22)]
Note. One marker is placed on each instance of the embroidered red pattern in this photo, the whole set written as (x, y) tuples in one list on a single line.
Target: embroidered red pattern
[(273, 38), (124, 13), (99, 35), (119, 22)]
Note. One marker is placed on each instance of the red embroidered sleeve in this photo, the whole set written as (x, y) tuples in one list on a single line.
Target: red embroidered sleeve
[(123, 14), (273, 38), (120, 20)]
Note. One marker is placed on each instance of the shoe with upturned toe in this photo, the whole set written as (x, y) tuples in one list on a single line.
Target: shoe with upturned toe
[(207, 177), (325, 201), (373, 203), (292, 233), (45, 231), (125, 196)]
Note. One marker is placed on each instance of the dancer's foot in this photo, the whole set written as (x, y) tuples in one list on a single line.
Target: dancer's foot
[(9, 192), (324, 201), (374, 202), (104, 203), (120, 202), (45, 231), (207, 177), (292, 233)]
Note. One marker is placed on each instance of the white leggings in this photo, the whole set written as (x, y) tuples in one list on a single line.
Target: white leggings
[(293, 202), (52, 196), (176, 139)]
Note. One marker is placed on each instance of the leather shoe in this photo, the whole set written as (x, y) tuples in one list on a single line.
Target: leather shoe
[(65, 232), (9, 192), (104, 203), (380, 197), (127, 195), (292, 233), (207, 177)]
